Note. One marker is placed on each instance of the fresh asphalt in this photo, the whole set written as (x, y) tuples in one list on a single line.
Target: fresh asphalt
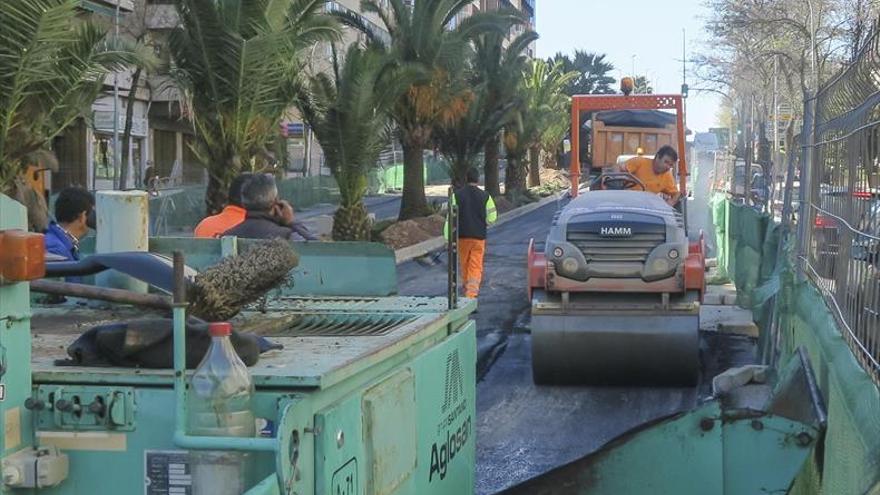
[(522, 429)]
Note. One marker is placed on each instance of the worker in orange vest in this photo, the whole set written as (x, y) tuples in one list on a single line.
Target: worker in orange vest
[(476, 210), (232, 215)]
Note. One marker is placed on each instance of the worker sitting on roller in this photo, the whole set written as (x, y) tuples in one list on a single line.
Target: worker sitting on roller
[(656, 173)]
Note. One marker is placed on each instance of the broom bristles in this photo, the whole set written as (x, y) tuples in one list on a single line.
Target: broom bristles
[(220, 292)]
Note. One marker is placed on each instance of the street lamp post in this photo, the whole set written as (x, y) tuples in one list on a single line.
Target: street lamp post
[(116, 150)]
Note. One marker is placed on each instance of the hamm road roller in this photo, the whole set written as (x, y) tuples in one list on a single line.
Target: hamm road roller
[(615, 295)]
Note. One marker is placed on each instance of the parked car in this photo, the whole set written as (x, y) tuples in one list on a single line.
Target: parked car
[(827, 228), (866, 247)]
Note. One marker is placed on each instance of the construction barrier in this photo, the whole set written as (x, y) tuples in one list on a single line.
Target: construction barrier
[(792, 312), (389, 178), (180, 209)]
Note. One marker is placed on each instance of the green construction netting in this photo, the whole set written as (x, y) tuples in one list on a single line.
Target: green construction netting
[(749, 254), (390, 177)]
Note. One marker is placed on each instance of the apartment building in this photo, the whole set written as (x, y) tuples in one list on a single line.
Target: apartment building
[(527, 7)]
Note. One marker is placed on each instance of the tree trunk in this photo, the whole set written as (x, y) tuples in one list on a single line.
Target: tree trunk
[(413, 204), (549, 160), (490, 167), (515, 177), (534, 167), (351, 223), (126, 133), (216, 195), (458, 172)]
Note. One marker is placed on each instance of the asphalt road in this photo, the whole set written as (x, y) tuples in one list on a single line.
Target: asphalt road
[(524, 430)]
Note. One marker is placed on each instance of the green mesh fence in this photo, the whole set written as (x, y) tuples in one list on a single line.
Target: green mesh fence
[(718, 203), (848, 461), (389, 178)]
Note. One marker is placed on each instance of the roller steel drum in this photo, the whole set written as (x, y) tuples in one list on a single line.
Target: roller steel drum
[(616, 349)]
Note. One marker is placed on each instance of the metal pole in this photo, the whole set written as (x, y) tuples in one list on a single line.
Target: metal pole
[(307, 165), (747, 175), (808, 145), (575, 167), (776, 158), (116, 151), (452, 251), (181, 412)]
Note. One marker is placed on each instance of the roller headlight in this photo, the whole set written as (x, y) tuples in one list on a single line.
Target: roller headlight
[(673, 254), (569, 265), (557, 252), (660, 266)]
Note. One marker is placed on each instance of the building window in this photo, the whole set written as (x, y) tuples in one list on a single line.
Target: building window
[(70, 149), (102, 156)]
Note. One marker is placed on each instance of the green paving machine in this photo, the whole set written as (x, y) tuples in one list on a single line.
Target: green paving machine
[(371, 393)]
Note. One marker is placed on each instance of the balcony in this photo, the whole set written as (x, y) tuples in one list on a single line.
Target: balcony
[(107, 7)]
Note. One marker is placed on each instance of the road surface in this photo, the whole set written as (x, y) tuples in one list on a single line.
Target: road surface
[(524, 430)]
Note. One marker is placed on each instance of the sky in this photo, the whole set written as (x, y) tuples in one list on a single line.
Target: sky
[(649, 29)]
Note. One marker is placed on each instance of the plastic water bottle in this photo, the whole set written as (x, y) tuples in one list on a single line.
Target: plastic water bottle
[(220, 396)]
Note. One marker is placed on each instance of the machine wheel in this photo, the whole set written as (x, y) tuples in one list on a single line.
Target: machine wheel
[(640, 347)]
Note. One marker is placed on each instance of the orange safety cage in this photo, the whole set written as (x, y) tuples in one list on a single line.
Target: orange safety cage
[(592, 103)]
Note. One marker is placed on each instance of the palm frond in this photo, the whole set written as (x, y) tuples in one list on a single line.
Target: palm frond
[(240, 64), (52, 67)]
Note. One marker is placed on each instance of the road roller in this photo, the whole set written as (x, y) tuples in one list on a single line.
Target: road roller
[(616, 292)]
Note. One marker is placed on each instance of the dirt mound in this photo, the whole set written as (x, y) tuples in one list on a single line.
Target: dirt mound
[(553, 178), (414, 231)]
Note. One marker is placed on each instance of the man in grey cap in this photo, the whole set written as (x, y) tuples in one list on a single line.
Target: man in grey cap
[(268, 217)]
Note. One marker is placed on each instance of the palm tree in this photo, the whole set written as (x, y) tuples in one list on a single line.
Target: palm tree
[(349, 114), (592, 73), (462, 140), (545, 104), (52, 67), (239, 64), (500, 70), (429, 34), (642, 86), (491, 107)]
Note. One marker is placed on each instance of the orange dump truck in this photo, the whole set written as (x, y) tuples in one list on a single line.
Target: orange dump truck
[(623, 132)]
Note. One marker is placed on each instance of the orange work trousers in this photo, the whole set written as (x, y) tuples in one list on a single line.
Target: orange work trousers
[(470, 257)]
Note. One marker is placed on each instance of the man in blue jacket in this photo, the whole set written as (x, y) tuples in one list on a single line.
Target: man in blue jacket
[(74, 215)]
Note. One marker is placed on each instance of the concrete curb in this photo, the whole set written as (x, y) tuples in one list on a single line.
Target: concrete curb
[(418, 250)]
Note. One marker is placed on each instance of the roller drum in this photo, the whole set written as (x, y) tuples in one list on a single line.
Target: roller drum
[(627, 349)]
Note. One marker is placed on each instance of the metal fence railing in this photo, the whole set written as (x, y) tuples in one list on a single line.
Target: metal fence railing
[(839, 234)]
